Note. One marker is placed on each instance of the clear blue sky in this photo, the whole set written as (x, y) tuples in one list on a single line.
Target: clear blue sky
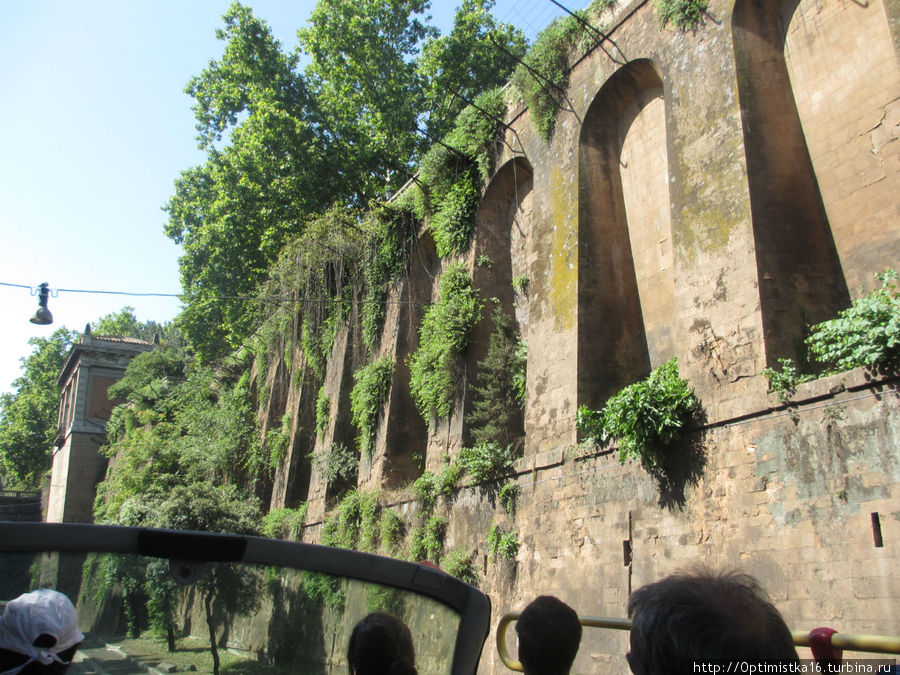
[(94, 128)]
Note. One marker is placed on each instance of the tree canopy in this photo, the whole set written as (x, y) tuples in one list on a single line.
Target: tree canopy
[(284, 145), (28, 416)]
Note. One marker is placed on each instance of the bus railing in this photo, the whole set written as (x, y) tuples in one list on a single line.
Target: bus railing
[(877, 644)]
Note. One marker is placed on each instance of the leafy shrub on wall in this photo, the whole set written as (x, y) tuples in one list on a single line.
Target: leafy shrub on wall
[(444, 334), (866, 334), (487, 461), (336, 464), (368, 397), (644, 417)]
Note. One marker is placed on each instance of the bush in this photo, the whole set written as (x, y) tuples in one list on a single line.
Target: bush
[(443, 335), (685, 14), (644, 417), (508, 496), (323, 412), (487, 461), (502, 544), (336, 464), (867, 334), (460, 563), (391, 531), (427, 541), (285, 523), (367, 398), (425, 488)]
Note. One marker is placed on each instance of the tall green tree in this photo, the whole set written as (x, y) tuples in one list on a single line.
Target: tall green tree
[(264, 175), (124, 323), (363, 69), (28, 416), (459, 66)]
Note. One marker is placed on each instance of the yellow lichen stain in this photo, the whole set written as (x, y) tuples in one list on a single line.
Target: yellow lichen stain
[(563, 286), (706, 223)]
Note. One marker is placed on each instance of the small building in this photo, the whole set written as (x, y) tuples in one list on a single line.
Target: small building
[(95, 363)]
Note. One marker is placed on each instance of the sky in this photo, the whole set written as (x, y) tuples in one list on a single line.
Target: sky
[(94, 128)]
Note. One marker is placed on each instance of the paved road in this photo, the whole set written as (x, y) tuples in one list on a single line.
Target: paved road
[(98, 659)]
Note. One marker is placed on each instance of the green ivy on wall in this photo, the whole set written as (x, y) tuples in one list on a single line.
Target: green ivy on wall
[(644, 417), (370, 391), (444, 334)]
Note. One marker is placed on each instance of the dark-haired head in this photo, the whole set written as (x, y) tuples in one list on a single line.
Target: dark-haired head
[(702, 616), (549, 634), (381, 644)]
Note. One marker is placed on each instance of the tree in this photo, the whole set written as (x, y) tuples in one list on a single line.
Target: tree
[(367, 86), (459, 66), (124, 323), (28, 417), (232, 214)]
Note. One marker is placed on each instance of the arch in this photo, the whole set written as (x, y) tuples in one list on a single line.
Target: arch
[(799, 271), (625, 283), (501, 249), (405, 432)]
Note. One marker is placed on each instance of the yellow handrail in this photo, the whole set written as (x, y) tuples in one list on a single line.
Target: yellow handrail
[(879, 644)]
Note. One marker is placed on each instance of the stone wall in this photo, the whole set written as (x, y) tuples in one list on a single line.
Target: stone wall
[(705, 194)]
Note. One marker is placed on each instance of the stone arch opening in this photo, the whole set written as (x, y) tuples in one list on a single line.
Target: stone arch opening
[(800, 276), (501, 272), (405, 433), (625, 282)]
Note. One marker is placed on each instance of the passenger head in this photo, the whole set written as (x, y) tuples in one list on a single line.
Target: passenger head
[(38, 634), (549, 634), (701, 617), (381, 644)]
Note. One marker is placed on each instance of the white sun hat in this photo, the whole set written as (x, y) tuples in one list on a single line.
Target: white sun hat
[(43, 612)]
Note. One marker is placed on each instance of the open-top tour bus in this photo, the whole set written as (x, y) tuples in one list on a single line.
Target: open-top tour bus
[(169, 600)]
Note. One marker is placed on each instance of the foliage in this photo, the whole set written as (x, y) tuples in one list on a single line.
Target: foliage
[(519, 368), (520, 283), (495, 415), (202, 429), (502, 544), (391, 235), (370, 390), (685, 14), (277, 441), (543, 77), (323, 412), (28, 417), (487, 461), (391, 530), (509, 495), (462, 64), (232, 213), (124, 323), (451, 171), (363, 72), (866, 334), (337, 464), (644, 417), (448, 478), (460, 563), (285, 523), (785, 381), (544, 74), (443, 335), (427, 541), (454, 218), (426, 489), (354, 524)]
